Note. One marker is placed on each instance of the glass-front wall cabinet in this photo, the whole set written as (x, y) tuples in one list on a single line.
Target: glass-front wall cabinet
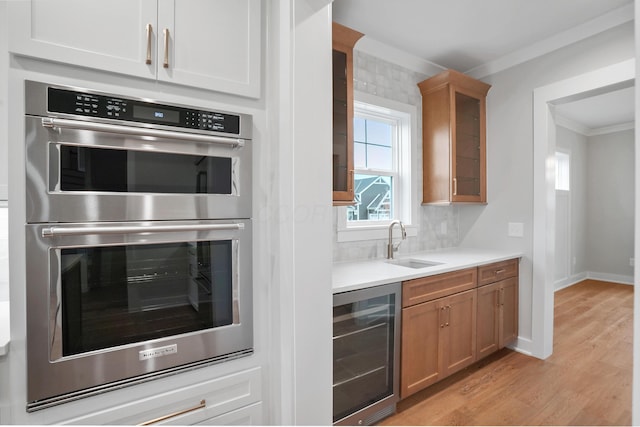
[(343, 41), (454, 139)]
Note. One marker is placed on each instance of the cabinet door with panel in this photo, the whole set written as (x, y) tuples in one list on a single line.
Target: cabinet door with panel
[(212, 44), (420, 364), (116, 35), (459, 332), (438, 328), (454, 139), (497, 324)]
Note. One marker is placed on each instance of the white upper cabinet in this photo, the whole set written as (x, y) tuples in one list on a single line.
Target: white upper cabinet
[(209, 44)]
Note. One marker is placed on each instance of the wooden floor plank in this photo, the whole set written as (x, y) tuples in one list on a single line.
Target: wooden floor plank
[(587, 380)]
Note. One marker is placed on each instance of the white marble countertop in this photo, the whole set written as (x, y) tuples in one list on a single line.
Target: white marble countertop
[(5, 333), (350, 276)]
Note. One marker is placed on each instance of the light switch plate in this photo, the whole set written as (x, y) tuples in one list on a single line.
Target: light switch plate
[(516, 229)]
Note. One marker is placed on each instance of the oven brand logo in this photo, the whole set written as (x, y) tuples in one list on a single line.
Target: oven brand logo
[(152, 353)]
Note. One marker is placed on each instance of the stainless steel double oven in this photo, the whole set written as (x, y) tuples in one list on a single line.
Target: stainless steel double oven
[(138, 237)]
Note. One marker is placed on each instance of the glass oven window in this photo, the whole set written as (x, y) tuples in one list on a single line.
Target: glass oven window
[(116, 295), (103, 169)]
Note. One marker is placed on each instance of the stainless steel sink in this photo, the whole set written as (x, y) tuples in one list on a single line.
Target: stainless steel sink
[(413, 263)]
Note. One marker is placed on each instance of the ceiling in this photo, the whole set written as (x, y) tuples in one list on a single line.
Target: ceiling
[(470, 35)]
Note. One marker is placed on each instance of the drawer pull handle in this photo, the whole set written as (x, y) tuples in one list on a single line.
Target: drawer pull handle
[(500, 271), (165, 63), (149, 32), (201, 405)]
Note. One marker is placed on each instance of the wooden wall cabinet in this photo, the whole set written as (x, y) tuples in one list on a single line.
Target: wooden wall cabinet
[(344, 39), (497, 323), (454, 139), (438, 334)]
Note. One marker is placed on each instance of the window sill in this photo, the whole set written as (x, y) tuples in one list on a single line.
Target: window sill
[(378, 232)]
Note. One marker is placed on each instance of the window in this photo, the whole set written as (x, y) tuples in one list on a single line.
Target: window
[(374, 155), (382, 166), (563, 171)]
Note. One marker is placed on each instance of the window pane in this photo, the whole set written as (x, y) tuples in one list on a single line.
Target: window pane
[(359, 130), (359, 155), (379, 133), (373, 195), (379, 157)]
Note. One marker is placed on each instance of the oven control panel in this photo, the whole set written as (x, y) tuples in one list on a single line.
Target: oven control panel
[(134, 110)]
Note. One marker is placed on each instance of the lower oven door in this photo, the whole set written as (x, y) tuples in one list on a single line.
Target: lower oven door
[(111, 303)]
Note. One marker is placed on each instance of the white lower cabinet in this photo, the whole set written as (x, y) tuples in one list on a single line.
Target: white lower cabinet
[(232, 399)]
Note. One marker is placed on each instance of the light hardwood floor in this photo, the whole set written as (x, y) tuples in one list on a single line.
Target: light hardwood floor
[(587, 380)]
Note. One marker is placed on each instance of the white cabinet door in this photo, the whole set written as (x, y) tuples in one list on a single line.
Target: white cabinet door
[(212, 44), (108, 35)]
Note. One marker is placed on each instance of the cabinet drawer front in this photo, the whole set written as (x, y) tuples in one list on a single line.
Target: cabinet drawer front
[(497, 271), (429, 288)]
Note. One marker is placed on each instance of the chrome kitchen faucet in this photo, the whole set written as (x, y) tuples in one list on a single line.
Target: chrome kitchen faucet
[(391, 248)]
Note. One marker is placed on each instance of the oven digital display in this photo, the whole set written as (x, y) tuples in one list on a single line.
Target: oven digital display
[(156, 114)]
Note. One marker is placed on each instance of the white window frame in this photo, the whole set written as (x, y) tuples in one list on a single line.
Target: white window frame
[(405, 162)]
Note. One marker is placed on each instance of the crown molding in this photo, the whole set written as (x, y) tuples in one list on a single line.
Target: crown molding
[(612, 129), (574, 126), (397, 56), (597, 25)]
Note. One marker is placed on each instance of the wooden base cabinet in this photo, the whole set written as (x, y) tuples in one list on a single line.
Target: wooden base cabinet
[(497, 324), (438, 336), (451, 320)]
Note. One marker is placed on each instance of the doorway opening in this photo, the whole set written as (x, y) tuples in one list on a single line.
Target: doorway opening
[(612, 78)]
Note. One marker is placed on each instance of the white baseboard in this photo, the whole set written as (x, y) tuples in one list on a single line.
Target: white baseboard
[(609, 277), (570, 281), (522, 345), (605, 277)]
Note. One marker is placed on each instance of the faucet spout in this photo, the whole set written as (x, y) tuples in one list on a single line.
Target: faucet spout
[(391, 248)]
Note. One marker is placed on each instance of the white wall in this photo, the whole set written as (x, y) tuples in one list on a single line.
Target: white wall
[(510, 149), (610, 205), (572, 266), (600, 237)]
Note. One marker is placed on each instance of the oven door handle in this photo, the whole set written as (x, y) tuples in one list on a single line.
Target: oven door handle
[(53, 123), (134, 229)]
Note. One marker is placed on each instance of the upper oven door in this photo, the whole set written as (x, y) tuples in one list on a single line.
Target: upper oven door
[(79, 170)]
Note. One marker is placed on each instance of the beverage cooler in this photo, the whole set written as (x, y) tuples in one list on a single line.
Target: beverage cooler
[(366, 354)]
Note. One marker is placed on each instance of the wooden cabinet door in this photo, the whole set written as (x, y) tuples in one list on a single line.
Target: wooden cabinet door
[(212, 44), (420, 366), (458, 341), (107, 35), (508, 311), (488, 330)]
